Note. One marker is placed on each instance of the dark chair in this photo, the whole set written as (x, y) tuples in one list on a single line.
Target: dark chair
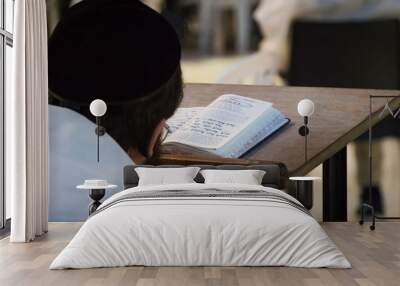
[(349, 55)]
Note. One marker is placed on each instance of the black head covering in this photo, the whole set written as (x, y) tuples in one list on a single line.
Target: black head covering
[(119, 51)]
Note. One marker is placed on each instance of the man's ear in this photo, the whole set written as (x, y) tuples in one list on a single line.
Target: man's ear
[(154, 137)]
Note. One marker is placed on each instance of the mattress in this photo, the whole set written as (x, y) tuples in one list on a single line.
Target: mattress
[(201, 225)]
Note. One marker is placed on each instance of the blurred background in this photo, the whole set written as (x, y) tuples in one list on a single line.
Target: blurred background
[(330, 43)]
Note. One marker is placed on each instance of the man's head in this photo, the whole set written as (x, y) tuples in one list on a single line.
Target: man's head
[(139, 125), (126, 54)]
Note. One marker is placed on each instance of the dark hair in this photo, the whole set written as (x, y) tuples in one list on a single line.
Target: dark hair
[(132, 125)]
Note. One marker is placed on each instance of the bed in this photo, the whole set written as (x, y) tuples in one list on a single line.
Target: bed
[(202, 224)]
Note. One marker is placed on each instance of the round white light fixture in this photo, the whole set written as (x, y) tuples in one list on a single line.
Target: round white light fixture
[(305, 108), (98, 107)]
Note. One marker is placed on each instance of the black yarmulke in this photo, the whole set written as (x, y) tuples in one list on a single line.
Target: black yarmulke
[(116, 50)]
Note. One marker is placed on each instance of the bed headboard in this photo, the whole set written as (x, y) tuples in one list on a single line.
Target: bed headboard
[(275, 176)]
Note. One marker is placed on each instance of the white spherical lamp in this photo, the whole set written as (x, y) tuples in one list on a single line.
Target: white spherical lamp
[(305, 108), (98, 107)]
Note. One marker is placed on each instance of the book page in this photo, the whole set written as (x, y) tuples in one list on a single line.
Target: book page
[(220, 121), (260, 129), (181, 116)]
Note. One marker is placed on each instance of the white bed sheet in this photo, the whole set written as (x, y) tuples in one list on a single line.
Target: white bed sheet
[(202, 232)]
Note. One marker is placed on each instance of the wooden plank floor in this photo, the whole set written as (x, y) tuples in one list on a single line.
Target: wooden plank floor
[(375, 257)]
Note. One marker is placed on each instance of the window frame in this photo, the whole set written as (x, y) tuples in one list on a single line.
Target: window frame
[(6, 39)]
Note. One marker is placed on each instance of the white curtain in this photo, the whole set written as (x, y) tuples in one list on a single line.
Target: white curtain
[(26, 124)]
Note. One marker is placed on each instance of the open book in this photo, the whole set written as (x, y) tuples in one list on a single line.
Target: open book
[(229, 127)]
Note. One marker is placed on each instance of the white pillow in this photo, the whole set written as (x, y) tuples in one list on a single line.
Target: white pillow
[(166, 176), (248, 177)]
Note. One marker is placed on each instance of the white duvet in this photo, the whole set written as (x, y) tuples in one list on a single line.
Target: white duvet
[(193, 231)]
